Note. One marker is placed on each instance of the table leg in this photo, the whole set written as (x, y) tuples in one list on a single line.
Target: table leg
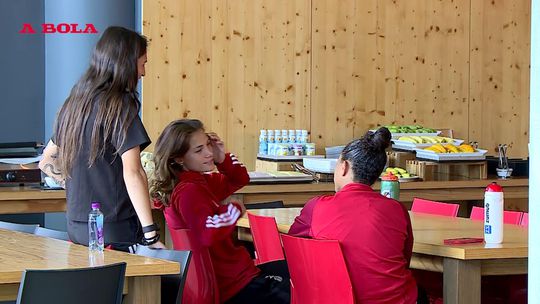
[(144, 290), (462, 281)]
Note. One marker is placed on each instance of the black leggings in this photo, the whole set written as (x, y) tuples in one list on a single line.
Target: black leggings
[(119, 235), (272, 286)]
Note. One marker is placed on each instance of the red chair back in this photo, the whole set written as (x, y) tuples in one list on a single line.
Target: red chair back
[(477, 213), (420, 205), (509, 217), (318, 271), (512, 217), (525, 219), (265, 238), (201, 285)]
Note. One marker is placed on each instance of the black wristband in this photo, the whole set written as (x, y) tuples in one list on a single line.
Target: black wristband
[(150, 241), (150, 228)]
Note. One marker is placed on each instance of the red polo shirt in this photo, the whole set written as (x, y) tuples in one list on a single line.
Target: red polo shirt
[(376, 237)]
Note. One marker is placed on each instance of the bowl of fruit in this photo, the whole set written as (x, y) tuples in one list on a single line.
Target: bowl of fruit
[(402, 174)]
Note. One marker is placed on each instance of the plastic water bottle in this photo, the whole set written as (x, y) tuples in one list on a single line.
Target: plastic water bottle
[(493, 214), (390, 186), (263, 143), (95, 228)]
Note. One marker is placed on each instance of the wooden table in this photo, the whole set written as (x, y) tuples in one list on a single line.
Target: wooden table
[(14, 200), (462, 265), (20, 251)]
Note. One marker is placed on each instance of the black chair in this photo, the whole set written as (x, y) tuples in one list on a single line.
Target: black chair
[(172, 286), (55, 234), (27, 228), (267, 205), (102, 284)]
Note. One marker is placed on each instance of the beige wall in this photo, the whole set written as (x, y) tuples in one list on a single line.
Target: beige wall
[(339, 68)]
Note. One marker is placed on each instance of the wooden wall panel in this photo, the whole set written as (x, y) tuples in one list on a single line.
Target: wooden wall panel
[(500, 67), (339, 68), (239, 66), (384, 62)]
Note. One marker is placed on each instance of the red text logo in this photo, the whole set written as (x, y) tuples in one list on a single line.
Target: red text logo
[(60, 28)]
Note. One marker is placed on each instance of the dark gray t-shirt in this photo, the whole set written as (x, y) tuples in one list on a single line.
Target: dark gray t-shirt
[(104, 181)]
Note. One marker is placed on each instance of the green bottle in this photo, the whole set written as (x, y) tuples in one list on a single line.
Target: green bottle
[(390, 186)]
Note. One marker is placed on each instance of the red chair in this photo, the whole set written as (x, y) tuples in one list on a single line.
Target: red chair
[(525, 219), (509, 217), (201, 285), (431, 281), (420, 205), (318, 271), (477, 213), (265, 238)]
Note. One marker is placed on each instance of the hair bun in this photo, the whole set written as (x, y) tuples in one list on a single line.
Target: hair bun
[(381, 138)]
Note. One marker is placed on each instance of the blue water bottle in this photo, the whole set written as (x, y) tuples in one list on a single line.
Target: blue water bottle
[(95, 229)]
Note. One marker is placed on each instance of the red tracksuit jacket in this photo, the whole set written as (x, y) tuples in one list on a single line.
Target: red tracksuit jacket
[(197, 196), (376, 237)]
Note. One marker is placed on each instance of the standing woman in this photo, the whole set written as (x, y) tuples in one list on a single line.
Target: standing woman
[(95, 148)]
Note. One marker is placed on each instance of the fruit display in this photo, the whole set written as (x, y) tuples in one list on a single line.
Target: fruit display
[(450, 148), (409, 129), (426, 139), (399, 172)]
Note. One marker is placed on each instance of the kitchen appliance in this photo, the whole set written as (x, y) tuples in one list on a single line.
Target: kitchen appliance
[(19, 174), (18, 163)]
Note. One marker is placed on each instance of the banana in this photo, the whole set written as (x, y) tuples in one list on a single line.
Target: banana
[(451, 148), (439, 147), (400, 170), (466, 148), (432, 149), (418, 139), (407, 139)]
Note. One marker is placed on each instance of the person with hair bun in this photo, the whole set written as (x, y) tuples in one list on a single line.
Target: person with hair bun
[(374, 231)]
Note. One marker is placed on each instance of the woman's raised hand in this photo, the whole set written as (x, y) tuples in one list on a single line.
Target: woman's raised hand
[(218, 147)]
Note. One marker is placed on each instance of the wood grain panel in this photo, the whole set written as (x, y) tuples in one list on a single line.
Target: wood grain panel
[(383, 62), (500, 64), (239, 66), (339, 68)]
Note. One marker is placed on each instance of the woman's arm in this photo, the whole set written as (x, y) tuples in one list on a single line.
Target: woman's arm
[(137, 188), (49, 164)]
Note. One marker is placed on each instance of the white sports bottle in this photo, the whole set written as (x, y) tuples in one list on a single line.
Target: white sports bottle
[(493, 214)]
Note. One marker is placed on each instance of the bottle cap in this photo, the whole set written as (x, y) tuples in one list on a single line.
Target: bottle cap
[(389, 177), (494, 187), (96, 205)]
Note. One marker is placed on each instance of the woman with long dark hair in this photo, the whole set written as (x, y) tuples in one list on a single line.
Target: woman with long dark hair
[(374, 231), (96, 144), (191, 193)]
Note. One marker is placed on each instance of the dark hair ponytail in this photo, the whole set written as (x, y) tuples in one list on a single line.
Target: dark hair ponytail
[(367, 155)]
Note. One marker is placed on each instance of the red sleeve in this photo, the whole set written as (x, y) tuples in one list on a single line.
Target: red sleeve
[(195, 206), (302, 223), (233, 176), (409, 241)]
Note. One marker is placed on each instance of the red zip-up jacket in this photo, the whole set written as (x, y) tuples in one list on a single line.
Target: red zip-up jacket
[(197, 196), (375, 234)]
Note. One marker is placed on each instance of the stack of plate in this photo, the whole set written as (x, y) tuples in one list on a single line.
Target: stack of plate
[(320, 165), (333, 152)]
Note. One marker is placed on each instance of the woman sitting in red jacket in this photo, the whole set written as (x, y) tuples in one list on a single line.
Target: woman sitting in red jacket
[(374, 231), (190, 193)]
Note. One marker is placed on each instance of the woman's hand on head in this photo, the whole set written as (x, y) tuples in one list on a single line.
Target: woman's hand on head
[(218, 147)]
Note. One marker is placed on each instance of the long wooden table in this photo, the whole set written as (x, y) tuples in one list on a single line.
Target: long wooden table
[(34, 200), (20, 251), (462, 265)]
